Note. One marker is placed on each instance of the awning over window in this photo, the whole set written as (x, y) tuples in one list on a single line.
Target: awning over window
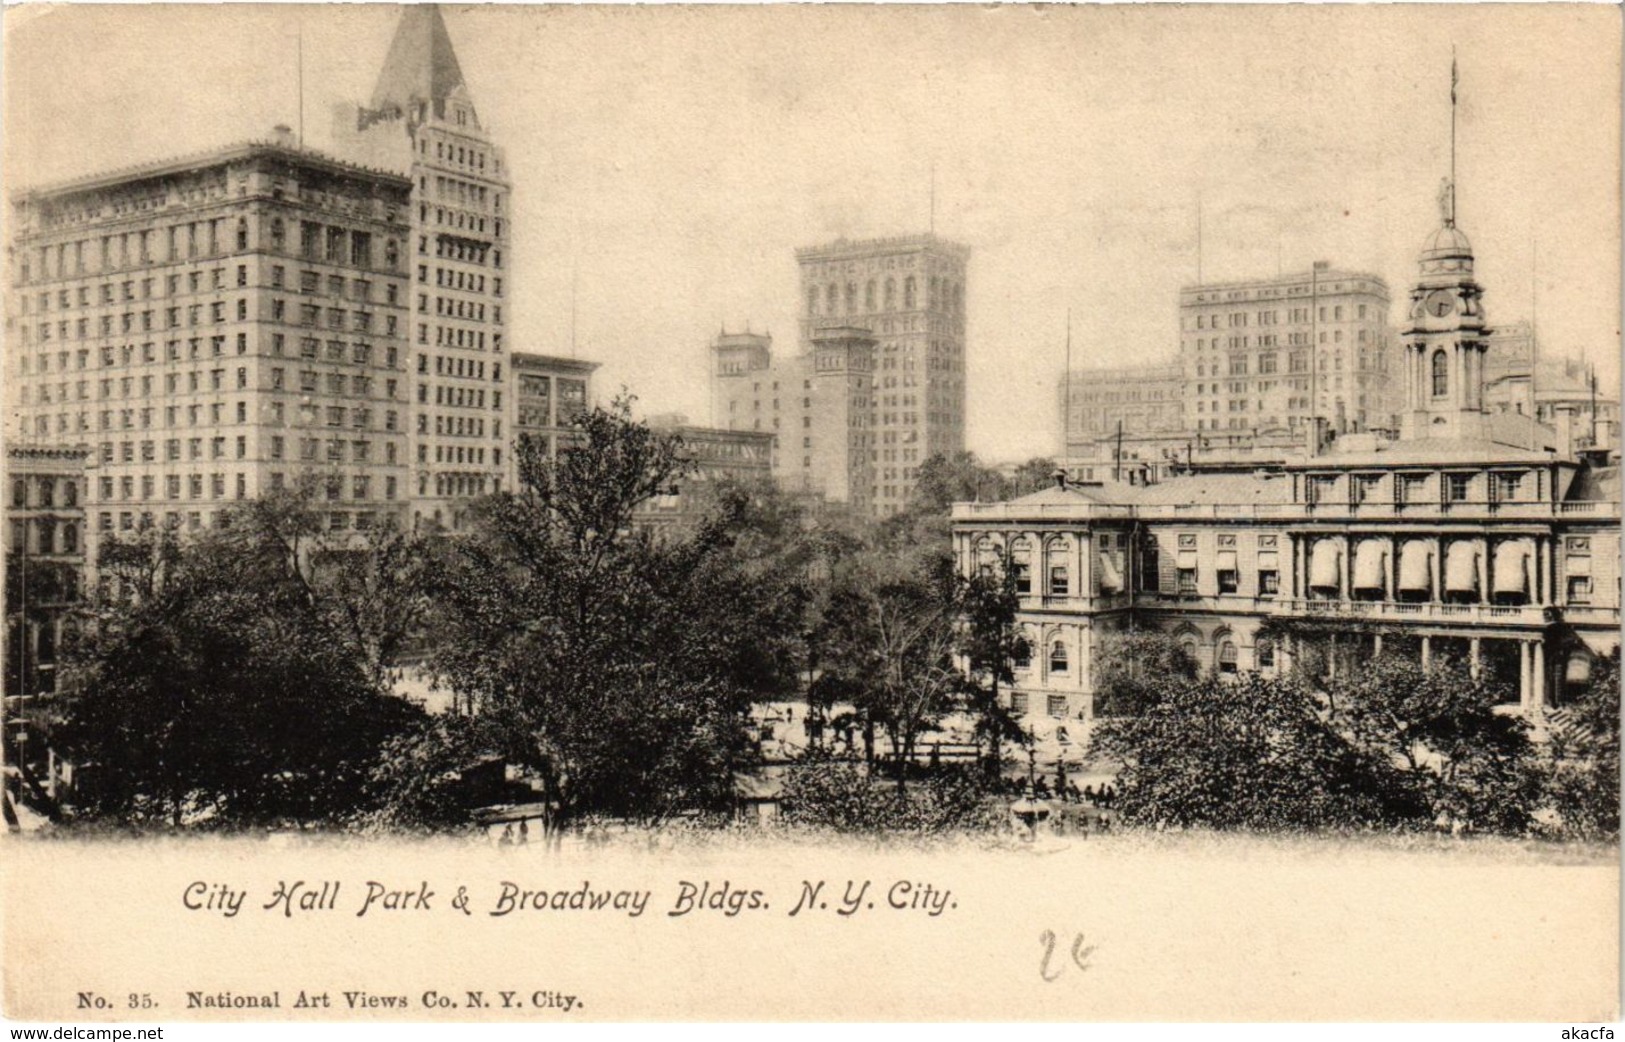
[(1512, 567), (1371, 565), (1461, 568), (1416, 566), (1577, 565), (1579, 669), (1187, 558), (1326, 565), (1111, 580), (1269, 561), (1227, 560)]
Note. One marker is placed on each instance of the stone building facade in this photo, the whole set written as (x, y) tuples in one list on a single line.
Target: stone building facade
[(1274, 352), (1443, 542), (421, 123), (214, 326), (878, 384)]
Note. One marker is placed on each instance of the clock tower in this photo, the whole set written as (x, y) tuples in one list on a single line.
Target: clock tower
[(1445, 337)]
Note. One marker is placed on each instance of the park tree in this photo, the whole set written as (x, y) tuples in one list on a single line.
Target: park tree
[(615, 662), (218, 685), (887, 640), (1583, 781), (992, 642), (1131, 667), (1451, 757), (1249, 752)]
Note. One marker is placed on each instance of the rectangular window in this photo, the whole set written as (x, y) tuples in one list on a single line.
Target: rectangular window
[(1059, 582), (1269, 583), (1228, 580), (1579, 589), (1456, 487), (1187, 582)]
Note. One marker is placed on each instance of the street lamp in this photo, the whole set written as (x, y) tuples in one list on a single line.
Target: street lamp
[(1029, 809)]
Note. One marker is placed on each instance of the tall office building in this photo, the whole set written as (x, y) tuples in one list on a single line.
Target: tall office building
[(212, 327), (909, 293), (1277, 352), (421, 122)]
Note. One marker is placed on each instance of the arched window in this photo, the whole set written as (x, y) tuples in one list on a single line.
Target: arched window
[(1264, 652), (891, 293), (869, 296), (70, 494), (278, 234), (1021, 565), (832, 304), (1058, 577), (1023, 656), (931, 293), (47, 493), (70, 538), (1057, 657), (392, 254), (908, 292), (1441, 374), (242, 233), (987, 556), (812, 301), (19, 493), (1227, 656), (851, 297)]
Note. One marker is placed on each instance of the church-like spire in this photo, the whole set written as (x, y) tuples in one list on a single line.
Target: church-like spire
[(422, 65)]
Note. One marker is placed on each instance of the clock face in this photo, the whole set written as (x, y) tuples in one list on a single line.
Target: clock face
[(1440, 303)]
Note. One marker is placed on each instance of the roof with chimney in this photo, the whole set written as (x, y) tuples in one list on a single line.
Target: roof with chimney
[(422, 65)]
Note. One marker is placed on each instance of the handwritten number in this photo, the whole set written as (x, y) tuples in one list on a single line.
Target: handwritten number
[(1080, 955)]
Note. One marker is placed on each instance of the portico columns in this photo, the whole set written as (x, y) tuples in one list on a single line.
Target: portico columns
[(1427, 651), (1473, 664)]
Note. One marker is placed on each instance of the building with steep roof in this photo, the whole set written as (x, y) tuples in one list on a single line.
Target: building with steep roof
[(421, 122)]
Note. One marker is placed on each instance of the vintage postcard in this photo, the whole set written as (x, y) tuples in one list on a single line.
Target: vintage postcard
[(553, 514)]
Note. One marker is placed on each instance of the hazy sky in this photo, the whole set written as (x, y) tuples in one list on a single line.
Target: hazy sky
[(670, 160)]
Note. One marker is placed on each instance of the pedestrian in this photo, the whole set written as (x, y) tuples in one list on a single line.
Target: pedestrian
[(1089, 794)]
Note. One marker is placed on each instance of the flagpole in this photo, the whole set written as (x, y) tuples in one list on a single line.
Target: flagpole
[(1453, 80)]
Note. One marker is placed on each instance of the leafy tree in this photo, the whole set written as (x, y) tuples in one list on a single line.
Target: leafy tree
[(942, 481), (1245, 752), (615, 663), (1131, 668), (846, 797), (991, 642), (1035, 474), (1454, 758), (1583, 781), (888, 638), (216, 685)]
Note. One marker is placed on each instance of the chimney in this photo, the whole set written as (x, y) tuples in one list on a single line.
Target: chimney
[(282, 136), (1563, 424)]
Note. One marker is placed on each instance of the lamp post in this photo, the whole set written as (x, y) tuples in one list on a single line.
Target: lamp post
[(1029, 809)]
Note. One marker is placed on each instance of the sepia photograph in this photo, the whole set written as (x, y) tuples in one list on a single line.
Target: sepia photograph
[(807, 513)]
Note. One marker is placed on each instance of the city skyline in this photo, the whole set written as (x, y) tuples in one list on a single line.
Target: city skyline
[(662, 196)]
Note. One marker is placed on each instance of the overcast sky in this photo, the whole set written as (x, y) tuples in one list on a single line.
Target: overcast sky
[(668, 161)]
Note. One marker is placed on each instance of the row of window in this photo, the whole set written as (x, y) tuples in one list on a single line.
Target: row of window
[(1239, 319)]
